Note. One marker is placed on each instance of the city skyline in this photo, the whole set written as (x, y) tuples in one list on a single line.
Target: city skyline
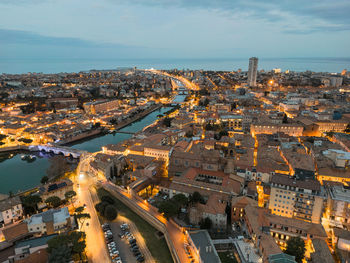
[(173, 29)]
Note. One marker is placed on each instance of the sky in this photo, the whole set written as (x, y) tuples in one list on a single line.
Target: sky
[(87, 29)]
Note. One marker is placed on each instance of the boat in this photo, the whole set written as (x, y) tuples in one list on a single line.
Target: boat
[(28, 158)]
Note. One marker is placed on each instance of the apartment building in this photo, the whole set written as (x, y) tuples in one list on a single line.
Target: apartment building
[(56, 189), (50, 221), (296, 198), (232, 122), (10, 210), (96, 107), (337, 210), (271, 128)]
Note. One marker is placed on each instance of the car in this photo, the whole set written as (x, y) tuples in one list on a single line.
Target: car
[(132, 241), (134, 248), (137, 253), (164, 197), (140, 258), (133, 245)]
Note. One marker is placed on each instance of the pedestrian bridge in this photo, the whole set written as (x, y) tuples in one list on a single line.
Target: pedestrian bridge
[(56, 149)]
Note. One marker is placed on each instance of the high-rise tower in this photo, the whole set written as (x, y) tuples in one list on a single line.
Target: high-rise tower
[(252, 71)]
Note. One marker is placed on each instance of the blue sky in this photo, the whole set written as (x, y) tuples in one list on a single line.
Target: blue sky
[(174, 28)]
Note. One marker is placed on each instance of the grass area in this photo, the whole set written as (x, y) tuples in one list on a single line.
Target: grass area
[(157, 247), (227, 257)]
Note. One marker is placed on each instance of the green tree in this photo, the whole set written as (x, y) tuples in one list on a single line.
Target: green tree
[(110, 213), (169, 208), (180, 199), (285, 118), (107, 199), (74, 244), (100, 207), (167, 121), (53, 201), (206, 223), (30, 203), (196, 197), (296, 247), (69, 195), (60, 254), (44, 179)]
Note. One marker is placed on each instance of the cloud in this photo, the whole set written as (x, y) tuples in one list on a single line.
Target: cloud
[(18, 37), (309, 13)]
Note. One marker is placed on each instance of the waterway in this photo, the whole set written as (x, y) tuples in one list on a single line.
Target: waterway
[(18, 175)]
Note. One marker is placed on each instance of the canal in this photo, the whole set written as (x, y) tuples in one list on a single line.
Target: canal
[(19, 175)]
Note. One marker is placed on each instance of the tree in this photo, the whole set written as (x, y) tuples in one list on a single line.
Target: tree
[(110, 213), (44, 179), (100, 207), (81, 217), (206, 223), (180, 199), (30, 203), (69, 195), (169, 208), (60, 254), (167, 121), (285, 118), (107, 199), (296, 247), (72, 243), (53, 201), (196, 197)]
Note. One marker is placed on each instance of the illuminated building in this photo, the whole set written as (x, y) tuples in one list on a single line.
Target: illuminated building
[(252, 71), (296, 198)]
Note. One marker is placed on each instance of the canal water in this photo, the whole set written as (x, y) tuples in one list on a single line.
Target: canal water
[(19, 175)]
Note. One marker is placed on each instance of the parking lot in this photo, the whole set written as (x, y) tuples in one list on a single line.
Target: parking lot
[(128, 242)]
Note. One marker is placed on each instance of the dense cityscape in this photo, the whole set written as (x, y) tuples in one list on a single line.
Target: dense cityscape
[(182, 131), (237, 166)]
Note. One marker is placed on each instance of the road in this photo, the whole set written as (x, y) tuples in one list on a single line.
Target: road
[(95, 243), (178, 238)]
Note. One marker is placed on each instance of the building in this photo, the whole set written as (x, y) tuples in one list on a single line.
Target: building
[(232, 122), (337, 211), (271, 232), (271, 128), (32, 250), (55, 189), (214, 209), (96, 107), (203, 181), (203, 246), (49, 222), (252, 71), (301, 199), (10, 210)]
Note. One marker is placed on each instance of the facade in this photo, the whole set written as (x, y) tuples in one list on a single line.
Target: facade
[(289, 129), (232, 122), (252, 71), (96, 107), (337, 211), (158, 152), (296, 198), (49, 222), (10, 210), (55, 189)]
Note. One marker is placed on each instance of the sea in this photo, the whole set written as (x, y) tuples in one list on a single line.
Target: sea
[(20, 66)]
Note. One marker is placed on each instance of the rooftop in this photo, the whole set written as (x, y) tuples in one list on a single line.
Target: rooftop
[(35, 242), (205, 246)]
